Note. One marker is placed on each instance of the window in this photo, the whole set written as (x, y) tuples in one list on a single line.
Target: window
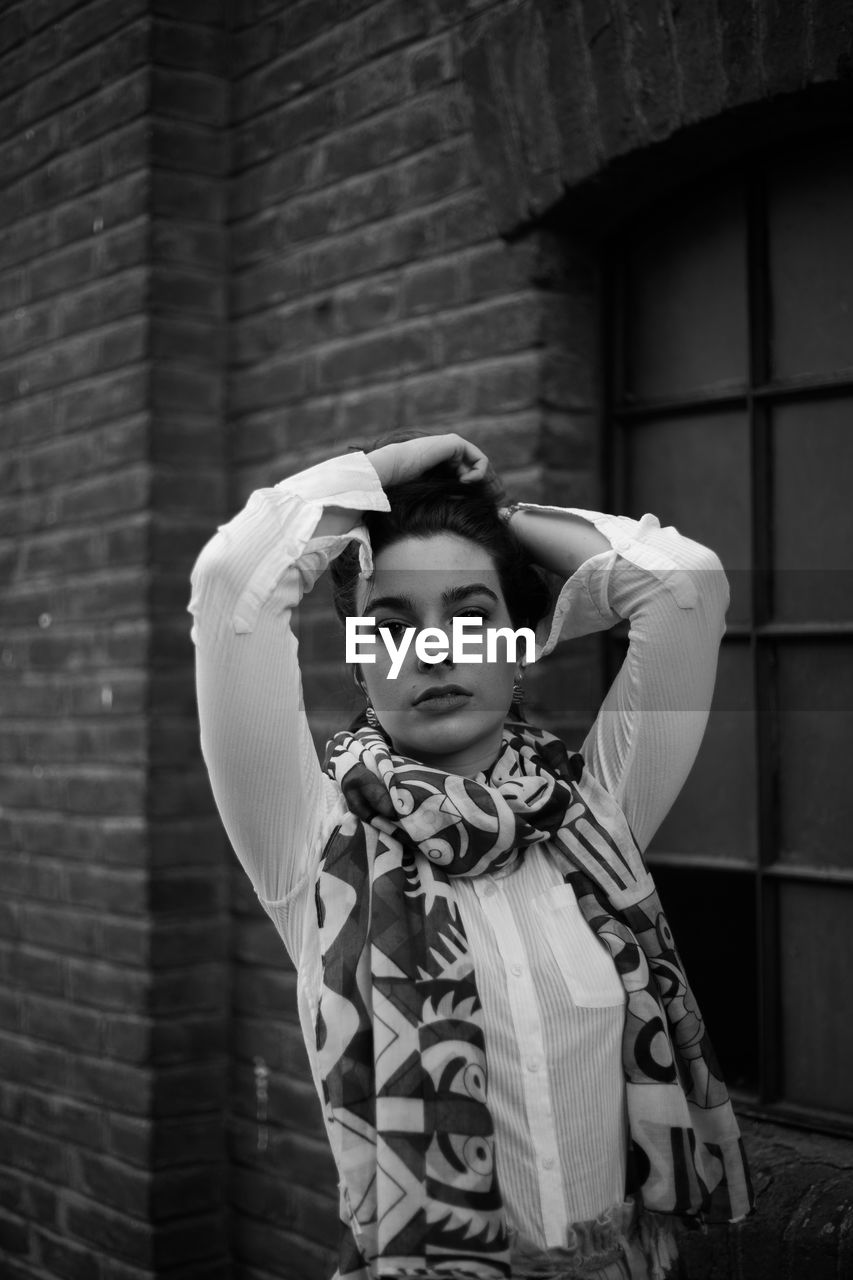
[(731, 416)]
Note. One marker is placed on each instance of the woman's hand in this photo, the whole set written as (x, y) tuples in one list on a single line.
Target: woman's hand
[(409, 459)]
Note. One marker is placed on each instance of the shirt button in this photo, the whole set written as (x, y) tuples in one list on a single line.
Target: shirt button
[(489, 891), (621, 544), (516, 970), (548, 1162), (533, 1065)]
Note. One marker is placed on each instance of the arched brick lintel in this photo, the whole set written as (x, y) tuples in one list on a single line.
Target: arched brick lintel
[(563, 92)]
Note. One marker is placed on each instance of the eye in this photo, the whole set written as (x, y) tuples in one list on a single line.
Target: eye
[(394, 625)]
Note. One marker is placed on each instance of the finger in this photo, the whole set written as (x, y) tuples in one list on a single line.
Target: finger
[(472, 464)]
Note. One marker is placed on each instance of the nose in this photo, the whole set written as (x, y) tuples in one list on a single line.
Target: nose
[(446, 661)]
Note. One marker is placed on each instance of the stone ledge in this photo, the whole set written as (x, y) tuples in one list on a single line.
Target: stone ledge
[(803, 1225)]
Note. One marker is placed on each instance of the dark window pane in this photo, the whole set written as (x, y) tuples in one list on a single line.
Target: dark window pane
[(811, 263), (715, 812), (712, 915), (686, 299), (817, 1005), (815, 801), (694, 473), (813, 510)]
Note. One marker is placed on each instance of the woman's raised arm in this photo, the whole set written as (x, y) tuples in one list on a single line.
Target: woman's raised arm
[(674, 594), (273, 797)]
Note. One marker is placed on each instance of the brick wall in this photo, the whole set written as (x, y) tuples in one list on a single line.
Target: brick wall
[(112, 1018)]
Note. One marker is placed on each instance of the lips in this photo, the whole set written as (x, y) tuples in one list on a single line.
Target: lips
[(441, 691)]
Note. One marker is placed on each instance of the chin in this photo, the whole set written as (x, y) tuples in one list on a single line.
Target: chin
[(448, 737)]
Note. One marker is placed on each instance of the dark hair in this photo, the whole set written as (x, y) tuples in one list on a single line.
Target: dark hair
[(437, 502)]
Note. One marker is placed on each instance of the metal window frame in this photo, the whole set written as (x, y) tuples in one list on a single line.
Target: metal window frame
[(757, 399)]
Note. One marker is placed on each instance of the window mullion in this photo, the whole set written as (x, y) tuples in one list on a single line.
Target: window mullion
[(766, 896)]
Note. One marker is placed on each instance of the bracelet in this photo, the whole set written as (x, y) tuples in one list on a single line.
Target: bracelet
[(506, 513)]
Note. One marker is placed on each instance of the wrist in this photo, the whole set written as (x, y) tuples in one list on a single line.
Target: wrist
[(506, 513)]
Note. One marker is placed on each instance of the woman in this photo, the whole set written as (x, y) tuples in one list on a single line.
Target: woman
[(514, 1076)]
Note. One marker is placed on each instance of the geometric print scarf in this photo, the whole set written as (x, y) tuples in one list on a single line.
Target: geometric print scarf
[(400, 1041)]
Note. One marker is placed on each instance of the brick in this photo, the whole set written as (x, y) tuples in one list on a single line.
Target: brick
[(31, 1152), (13, 27), (54, 1116), (111, 59), (206, 13), (504, 326), (14, 1235), (699, 54), (115, 1233), (171, 1143), (111, 1083), (372, 88), (784, 42), (396, 353), (298, 1208), (616, 114), (103, 448), (115, 396), (35, 970), (62, 1025), (186, 145), (107, 986), (188, 244), (368, 413), (832, 41), (442, 397), (11, 1002), (28, 1197), (367, 305), (59, 931), (182, 1090), (429, 65), (281, 383), (190, 987), (194, 1039), (62, 1258), (263, 989), (110, 1182), (509, 385), (435, 174), (189, 47), (74, 266), (264, 1246), (88, 499), (653, 64), (187, 291), (188, 95), (465, 220), (740, 56), (432, 286)]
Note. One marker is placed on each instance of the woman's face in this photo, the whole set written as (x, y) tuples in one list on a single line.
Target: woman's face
[(449, 715)]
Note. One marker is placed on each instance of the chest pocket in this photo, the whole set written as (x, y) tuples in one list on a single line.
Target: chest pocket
[(586, 965)]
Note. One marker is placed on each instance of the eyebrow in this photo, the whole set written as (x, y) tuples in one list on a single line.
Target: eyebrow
[(453, 595)]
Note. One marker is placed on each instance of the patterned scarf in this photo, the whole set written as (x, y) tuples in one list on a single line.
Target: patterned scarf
[(400, 1039)]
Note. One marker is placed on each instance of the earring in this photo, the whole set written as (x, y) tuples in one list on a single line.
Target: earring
[(371, 717), (517, 693)]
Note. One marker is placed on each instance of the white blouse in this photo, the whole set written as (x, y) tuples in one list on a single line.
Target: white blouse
[(553, 1005)]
